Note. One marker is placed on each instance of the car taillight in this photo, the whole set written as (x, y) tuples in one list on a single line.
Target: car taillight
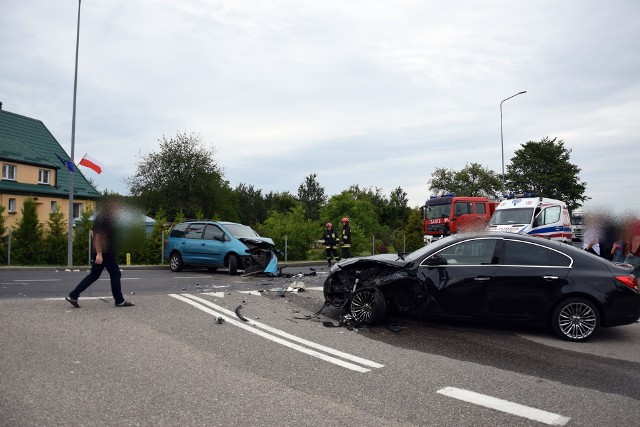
[(629, 280)]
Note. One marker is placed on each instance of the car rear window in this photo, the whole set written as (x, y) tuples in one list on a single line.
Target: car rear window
[(178, 230), (529, 254)]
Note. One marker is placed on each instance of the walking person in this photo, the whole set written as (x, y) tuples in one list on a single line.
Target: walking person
[(345, 241), (330, 243), (103, 256)]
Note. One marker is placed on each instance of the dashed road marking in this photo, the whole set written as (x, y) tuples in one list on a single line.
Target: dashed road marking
[(505, 406)]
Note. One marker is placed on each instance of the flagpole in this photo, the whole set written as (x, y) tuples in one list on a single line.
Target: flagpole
[(73, 141)]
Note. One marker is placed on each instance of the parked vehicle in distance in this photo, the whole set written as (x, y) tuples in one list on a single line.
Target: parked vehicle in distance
[(536, 216), (215, 244), (495, 277), (576, 225), (450, 214)]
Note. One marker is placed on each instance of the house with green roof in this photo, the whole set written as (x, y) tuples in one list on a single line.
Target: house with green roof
[(31, 168)]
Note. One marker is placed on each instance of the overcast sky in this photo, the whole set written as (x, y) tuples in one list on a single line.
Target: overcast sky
[(374, 93)]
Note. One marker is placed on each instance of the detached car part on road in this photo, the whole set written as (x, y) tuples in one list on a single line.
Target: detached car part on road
[(215, 244), (496, 277)]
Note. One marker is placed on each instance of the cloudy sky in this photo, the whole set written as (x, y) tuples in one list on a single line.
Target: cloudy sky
[(374, 93)]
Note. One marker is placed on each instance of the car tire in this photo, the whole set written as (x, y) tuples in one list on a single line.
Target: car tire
[(367, 306), (233, 264), (575, 319), (175, 262)]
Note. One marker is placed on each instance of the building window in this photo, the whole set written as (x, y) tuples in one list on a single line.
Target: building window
[(77, 209), (9, 172), (43, 176), (12, 206), (54, 206)]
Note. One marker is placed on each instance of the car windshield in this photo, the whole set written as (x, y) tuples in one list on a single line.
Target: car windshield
[(239, 231), (512, 216), (438, 211), (576, 220)]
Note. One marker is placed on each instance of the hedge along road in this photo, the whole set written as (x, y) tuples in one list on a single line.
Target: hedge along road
[(167, 361)]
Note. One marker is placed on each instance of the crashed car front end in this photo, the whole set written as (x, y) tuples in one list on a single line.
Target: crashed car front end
[(369, 287), (261, 257)]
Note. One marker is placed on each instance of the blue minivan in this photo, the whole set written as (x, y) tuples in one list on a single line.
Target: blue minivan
[(215, 244)]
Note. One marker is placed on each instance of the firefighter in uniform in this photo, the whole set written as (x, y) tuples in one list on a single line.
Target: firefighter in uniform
[(345, 241), (330, 243)]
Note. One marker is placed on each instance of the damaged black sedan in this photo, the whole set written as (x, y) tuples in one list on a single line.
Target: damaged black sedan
[(506, 278)]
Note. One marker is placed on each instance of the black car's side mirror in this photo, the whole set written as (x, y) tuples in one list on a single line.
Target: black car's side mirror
[(435, 260)]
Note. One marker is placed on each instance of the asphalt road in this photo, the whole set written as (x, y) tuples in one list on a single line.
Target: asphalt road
[(170, 360)]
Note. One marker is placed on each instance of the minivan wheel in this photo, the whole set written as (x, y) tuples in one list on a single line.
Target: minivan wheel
[(233, 264), (175, 262), (367, 306), (575, 319)]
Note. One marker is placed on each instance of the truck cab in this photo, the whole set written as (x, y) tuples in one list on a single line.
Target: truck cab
[(576, 225), (449, 214)]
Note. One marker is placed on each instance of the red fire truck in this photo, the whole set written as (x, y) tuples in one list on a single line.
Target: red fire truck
[(449, 214)]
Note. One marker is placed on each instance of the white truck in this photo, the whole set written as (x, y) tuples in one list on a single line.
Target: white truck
[(536, 216), (576, 225)]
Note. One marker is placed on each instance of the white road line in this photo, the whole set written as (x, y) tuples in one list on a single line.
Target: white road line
[(288, 336), (505, 406), (252, 329), (191, 277), (38, 280), (257, 293)]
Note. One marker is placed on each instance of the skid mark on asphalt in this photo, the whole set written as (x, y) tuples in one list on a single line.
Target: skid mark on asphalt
[(328, 354), (505, 406)]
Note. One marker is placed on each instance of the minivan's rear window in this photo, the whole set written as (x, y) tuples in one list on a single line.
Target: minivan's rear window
[(178, 230)]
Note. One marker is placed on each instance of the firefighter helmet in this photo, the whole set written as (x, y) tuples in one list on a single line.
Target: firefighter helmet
[(345, 220)]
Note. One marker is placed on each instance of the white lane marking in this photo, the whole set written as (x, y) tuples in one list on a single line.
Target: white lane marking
[(288, 336), (38, 280), (505, 406), (215, 294), (190, 277), (263, 334), (315, 288)]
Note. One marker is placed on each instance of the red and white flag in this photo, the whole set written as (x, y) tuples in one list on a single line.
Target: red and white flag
[(91, 164)]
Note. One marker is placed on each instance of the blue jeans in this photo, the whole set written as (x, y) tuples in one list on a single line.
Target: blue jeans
[(109, 262)]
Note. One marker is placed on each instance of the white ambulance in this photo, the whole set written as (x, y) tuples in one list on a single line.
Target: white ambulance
[(536, 216)]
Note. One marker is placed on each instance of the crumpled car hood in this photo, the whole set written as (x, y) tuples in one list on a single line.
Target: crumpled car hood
[(388, 259), (260, 242)]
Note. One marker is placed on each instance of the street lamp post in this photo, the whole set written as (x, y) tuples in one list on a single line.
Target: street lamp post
[(501, 136)]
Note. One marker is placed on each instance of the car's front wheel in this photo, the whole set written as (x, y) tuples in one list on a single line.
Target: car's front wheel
[(575, 319), (367, 306), (175, 262), (233, 264)]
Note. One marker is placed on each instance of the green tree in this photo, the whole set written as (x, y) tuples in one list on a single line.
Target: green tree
[(154, 240), (544, 167), (312, 197), (473, 180), (396, 211), (55, 239), (81, 232), (280, 202), (300, 232), (27, 238), (413, 230), (252, 208), (183, 175)]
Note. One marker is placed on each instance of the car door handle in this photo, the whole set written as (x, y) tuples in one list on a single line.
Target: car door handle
[(550, 277), (481, 278)]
